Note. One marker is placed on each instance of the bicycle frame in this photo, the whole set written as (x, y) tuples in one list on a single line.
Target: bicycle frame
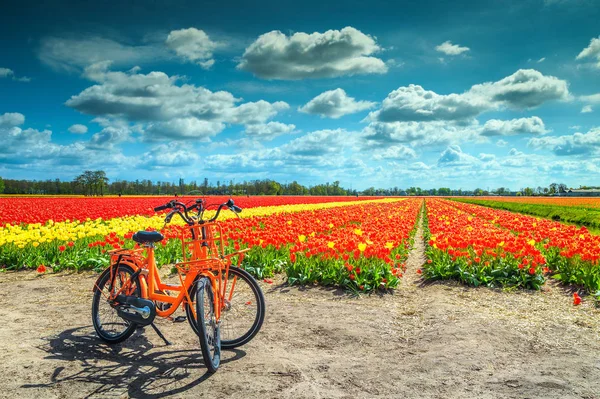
[(206, 259)]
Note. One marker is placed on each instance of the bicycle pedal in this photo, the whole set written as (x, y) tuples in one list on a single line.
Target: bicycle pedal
[(179, 319)]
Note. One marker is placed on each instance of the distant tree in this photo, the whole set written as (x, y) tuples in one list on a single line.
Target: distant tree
[(1, 185), (562, 188), (553, 188)]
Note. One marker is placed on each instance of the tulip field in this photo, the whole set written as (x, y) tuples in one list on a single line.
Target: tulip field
[(483, 246), (360, 244)]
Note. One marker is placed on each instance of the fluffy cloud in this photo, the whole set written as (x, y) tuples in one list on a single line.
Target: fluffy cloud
[(193, 45), (586, 109), (495, 127), (451, 49), (418, 133), (78, 129), (414, 103), (526, 88), (454, 156), (395, 152), (74, 54), (11, 119), (169, 155), (591, 51), (171, 110), (575, 144), (318, 55), (269, 131), (334, 104)]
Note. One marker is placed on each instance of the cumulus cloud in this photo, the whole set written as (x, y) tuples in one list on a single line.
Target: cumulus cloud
[(526, 88), (193, 45), (418, 133), (269, 131), (78, 129), (451, 49), (414, 103), (168, 155), (170, 110), (11, 119), (74, 54), (395, 152), (454, 156), (574, 144), (318, 55), (501, 143), (586, 109), (592, 51), (495, 127), (335, 104)]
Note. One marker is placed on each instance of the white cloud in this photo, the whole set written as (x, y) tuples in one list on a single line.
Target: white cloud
[(526, 88), (541, 60), (74, 54), (395, 152), (193, 45), (591, 51), (318, 55), (501, 143), (414, 103), (9, 73), (11, 119), (454, 156), (334, 104), (586, 109), (575, 144), (378, 134), (78, 129), (169, 155), (269, 131), (451, 49), (594, 98), (5, 72), (495, 127), (487, 157), (171, 111)]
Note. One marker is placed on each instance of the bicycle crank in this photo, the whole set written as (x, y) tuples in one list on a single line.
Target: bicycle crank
[(137, 310)]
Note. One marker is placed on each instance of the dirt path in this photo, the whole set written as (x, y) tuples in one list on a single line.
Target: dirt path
[(432, 341)]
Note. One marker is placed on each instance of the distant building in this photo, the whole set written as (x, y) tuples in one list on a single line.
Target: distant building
[(592, 192)]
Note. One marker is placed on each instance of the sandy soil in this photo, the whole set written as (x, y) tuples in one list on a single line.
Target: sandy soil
[(432, 341)]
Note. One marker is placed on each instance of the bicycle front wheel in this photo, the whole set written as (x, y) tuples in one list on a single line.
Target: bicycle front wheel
[(208, 330), (243, 310)]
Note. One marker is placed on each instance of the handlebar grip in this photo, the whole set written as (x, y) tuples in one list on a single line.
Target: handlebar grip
[(236, 209), (161, 208)]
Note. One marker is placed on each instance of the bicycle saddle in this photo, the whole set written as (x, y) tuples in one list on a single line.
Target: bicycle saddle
[(147, 236)]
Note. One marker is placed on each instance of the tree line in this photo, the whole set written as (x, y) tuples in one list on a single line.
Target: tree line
[(96, 183)]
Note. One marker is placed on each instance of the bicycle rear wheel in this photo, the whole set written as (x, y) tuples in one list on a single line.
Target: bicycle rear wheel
[(243, 311), (209, 334), (109, 326)]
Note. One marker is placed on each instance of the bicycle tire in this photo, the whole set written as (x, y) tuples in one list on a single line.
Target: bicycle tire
[(209, 331), (229, 338), (128, 327)]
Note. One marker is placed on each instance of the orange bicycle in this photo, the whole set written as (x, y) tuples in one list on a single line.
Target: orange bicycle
[(223, 303)]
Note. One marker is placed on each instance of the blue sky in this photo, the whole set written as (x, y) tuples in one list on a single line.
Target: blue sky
[(461, 94)]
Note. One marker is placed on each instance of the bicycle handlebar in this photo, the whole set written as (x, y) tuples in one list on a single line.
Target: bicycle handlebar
[(178, 207)]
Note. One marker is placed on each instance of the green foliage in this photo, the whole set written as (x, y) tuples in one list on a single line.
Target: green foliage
[(1, 185)]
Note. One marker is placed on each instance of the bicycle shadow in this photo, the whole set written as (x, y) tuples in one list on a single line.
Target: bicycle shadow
[(129, 367)]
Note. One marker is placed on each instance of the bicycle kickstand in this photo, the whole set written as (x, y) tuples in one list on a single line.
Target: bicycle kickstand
[(160, 334)]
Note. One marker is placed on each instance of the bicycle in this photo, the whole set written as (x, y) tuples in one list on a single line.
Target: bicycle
[(215, 295)]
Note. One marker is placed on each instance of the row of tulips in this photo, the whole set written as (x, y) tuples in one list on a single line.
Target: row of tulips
[(572, 253), (355, 245), (476, 252)]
